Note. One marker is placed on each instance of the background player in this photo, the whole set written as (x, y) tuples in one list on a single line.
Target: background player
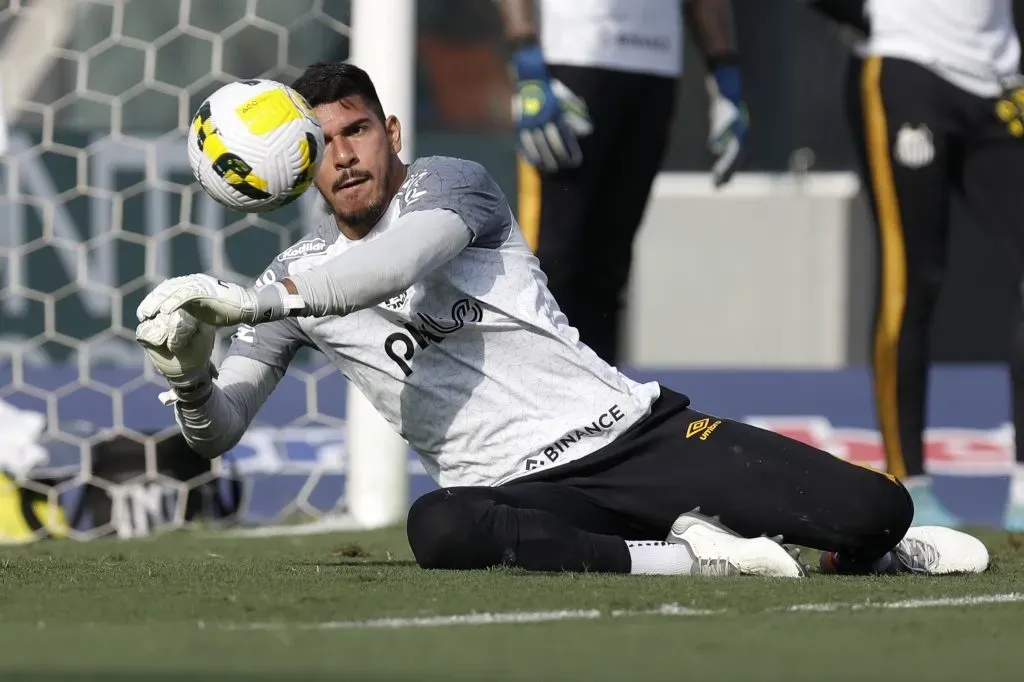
[(421, 290), (595, 91), (936, 108)]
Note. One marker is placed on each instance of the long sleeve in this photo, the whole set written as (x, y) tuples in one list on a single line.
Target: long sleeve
[(415, 244), (215, 426)]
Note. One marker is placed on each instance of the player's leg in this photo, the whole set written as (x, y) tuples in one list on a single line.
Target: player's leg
[(549, 526), (903, 132), (538, 526), (995, 194), (761, 483), (557, 212), (858, 517), (756, 481), (641, 140)]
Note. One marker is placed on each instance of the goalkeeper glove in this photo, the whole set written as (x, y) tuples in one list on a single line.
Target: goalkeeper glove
[(219, 303), (180, 347), (727, 134), (549, 117), (1010, 105)]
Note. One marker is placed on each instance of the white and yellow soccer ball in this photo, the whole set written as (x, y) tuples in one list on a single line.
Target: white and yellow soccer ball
[(255, 145)]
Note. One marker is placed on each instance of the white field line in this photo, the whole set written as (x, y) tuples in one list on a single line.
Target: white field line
[(978, 600), (673, 610)]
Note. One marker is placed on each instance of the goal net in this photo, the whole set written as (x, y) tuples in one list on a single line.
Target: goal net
[(98, 205)]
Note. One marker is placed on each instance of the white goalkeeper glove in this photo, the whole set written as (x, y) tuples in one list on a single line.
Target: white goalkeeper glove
[(180, 347), (216, 302), (728, 122)]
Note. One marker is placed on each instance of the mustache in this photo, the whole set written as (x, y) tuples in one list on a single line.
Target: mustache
[(348, 177)]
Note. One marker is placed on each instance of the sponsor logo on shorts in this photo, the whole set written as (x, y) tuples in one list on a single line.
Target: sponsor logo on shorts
[(704, 427)]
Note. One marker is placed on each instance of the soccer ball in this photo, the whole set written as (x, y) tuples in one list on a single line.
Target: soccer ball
[(255, 145)]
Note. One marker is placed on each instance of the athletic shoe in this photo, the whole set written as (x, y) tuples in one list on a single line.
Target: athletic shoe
[(719, 551), (935, 550)]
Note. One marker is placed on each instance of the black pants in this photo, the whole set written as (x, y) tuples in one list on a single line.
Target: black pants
[(576, 516), (922, 139), (581, 222)]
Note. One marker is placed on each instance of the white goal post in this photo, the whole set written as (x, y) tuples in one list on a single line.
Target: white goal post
[(383, 43)]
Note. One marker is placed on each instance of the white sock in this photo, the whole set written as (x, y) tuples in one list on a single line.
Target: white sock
[(660, 558), (1017, 485)]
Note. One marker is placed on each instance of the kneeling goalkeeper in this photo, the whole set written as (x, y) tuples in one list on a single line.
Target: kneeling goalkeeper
[(420, 288)]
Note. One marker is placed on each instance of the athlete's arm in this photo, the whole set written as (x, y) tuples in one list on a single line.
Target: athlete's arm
[(257, 360), (214, 425), (520, 20), (711, 22), (445, 206), (415, 244)]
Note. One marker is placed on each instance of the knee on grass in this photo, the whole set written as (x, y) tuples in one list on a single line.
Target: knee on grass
[(879, 517), (443, 529)]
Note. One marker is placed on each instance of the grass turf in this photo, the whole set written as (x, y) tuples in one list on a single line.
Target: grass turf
[(201, 607)]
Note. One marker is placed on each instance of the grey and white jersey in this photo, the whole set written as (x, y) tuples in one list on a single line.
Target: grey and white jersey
[(473, 364)]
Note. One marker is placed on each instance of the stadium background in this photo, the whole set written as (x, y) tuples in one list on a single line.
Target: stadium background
[(98, 205)]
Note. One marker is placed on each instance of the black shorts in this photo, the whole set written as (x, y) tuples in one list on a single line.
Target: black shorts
[(757, 481)]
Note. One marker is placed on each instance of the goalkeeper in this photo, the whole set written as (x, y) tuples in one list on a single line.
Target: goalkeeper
[(420, 288)]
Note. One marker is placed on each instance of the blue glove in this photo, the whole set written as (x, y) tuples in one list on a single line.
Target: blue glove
[(549, 117), (727, 132)]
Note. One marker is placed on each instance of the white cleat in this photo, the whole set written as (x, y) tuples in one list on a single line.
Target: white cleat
[(936, 550), (719, 551)]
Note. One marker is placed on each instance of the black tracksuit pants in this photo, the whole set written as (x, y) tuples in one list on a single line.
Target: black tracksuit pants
[(921, 139), (576, 516), (581, 222)]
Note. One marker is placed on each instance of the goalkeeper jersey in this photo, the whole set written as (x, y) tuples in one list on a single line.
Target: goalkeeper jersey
[(474, 365)]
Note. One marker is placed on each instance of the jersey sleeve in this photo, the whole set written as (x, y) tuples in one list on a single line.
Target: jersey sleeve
[(273, 343), (464, 188)]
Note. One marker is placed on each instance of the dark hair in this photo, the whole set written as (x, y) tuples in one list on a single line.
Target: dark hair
[(326, 82)]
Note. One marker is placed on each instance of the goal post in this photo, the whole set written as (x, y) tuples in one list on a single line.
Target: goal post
[(383, 43)]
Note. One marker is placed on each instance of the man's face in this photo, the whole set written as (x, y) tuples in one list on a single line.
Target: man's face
[(355, 177)]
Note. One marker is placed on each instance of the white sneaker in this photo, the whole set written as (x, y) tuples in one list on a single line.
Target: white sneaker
[(719, 551), (936, 550)]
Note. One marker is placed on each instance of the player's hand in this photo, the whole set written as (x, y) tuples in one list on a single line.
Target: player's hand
[(180, 347), (1010, 107), (213, 301), (549, 117), (727, 132)]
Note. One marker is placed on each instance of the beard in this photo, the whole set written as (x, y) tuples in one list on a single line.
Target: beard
[(367, 215)]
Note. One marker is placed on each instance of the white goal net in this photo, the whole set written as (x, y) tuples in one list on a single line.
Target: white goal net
[(97, 206)]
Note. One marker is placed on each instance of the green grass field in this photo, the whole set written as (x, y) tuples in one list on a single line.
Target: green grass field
[(197, 606)]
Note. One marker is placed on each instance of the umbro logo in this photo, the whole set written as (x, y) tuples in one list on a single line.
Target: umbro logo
[(704, 427)]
